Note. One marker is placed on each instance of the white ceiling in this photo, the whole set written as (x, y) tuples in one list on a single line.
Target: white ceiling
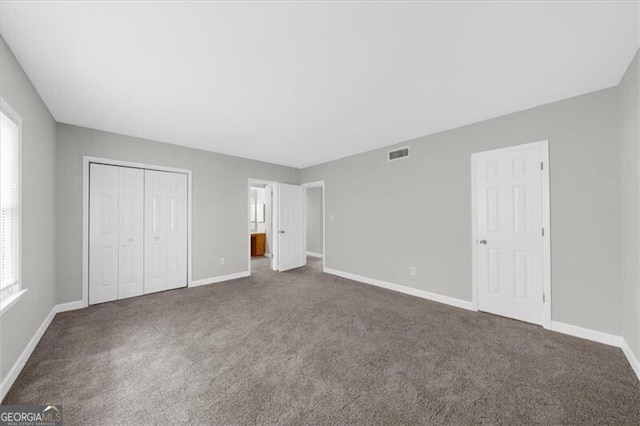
[(304, 83)]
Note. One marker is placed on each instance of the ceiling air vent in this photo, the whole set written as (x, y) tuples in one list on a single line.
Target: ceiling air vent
[(398, 154)]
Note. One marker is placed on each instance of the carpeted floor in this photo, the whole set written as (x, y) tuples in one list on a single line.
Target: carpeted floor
[(303, 347)]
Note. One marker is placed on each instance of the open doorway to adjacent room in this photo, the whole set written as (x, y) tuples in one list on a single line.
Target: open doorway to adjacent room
[(276, 231), (262, 241), (315, 227)]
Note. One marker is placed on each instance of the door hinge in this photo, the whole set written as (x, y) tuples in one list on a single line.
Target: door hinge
[(544, 299), (541, 166), (543, 232)]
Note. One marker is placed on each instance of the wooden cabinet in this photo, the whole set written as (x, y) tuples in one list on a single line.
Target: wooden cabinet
[(258, 243)]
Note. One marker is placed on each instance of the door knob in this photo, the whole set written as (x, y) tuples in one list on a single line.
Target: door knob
[(483, 241), (282, 232)]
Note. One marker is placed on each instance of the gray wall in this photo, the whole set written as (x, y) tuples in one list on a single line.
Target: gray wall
[(629, 189), (21, 322), (424, 203), (314, 220), (220, 201), (422, 213)]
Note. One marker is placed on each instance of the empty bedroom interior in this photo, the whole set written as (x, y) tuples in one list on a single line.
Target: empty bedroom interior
[(489, 274)]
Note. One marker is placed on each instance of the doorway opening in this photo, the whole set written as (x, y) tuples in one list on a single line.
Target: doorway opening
[(276, 220), (315, 227), (262, 239)]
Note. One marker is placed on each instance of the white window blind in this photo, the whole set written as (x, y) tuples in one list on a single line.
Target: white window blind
[(9, 206)]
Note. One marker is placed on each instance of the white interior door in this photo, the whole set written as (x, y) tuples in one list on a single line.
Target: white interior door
[(155, 255), (103, 233), (177, 231), (291, 222), (509, 233), (131, 224), (165, 231)]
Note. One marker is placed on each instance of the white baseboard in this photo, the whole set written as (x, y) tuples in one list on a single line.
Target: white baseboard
[(600, 337), (572, 330), (585, 333), (17, 367), (220, 278), (631, 357), (28, 350), (70, 306), (404, 289), (313, 254)]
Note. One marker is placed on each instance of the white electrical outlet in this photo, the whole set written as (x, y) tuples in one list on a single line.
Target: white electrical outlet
[(222, 260), (412, 271)]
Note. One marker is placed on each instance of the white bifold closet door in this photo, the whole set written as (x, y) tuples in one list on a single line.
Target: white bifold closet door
[(116, 200), (165, 231), (131, 238)]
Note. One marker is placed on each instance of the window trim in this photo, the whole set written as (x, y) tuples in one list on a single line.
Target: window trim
[(11, 300), (16, 294)]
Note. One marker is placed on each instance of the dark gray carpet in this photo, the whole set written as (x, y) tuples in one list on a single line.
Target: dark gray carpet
[(303, 347)]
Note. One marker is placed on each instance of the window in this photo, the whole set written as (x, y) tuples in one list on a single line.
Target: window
[(9, 206)]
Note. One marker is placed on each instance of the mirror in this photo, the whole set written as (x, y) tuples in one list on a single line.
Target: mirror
[(257, 210)]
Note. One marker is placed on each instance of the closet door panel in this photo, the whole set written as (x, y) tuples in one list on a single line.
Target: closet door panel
[(156, 232), (177, 231), (103, 233), (131, 239)]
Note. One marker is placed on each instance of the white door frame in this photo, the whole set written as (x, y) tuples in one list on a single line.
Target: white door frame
[(546, 223), (319, 184), (274, 221), (86, 161)]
